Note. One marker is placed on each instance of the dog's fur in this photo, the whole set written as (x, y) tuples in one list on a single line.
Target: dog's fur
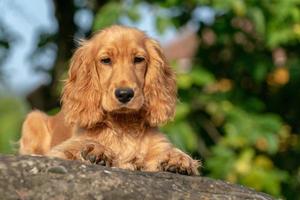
[(93, 125)]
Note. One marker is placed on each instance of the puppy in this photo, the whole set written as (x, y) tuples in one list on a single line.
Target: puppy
[(118, 91)]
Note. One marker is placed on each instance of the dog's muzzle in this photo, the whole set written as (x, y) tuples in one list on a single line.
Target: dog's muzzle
[(124, 95)]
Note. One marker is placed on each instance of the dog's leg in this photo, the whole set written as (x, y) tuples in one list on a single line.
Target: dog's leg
[(163, 156), (36, 136), (179, 162), (69, 149), (84, 149)]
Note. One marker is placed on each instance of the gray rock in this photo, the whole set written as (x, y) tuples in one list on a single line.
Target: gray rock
[(27, 177)]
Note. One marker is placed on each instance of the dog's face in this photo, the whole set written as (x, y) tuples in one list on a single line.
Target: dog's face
[(122, 63), (119, 70)]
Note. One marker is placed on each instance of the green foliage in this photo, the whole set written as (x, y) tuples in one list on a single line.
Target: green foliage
[(246, 140), (107, 15), (238, 102), (12, 113), (112, 12)]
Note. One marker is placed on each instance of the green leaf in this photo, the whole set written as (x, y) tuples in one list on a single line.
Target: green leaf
[(109, 14), (182, 135), (184, 81), (258, 18), (202, 77), (12, 112), (162, 23)]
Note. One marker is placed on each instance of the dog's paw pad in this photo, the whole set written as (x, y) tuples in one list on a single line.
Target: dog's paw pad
[(96, 154), (179, 163)]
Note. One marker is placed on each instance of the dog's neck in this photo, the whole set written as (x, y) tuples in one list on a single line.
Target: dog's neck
[(122, 123), (126, 123)]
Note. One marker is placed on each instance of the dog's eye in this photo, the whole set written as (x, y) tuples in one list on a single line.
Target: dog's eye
[(106, 61), (138, 60)]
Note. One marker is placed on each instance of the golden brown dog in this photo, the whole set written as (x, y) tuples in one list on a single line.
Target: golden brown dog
[(119, 90)]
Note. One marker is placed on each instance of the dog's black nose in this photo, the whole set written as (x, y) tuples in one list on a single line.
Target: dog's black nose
[(124, 95)]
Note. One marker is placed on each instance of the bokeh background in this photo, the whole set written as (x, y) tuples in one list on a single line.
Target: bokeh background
[(238, 71)]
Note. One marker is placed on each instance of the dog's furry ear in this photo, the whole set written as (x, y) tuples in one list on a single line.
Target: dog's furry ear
[(160, 87), (81, 98)]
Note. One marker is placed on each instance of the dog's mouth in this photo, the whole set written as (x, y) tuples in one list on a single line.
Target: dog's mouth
[(124, 110), (125, 115), (113, 106)]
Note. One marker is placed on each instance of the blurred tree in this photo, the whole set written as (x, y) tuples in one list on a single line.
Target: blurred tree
[(6, 38), (238, 101), (46, 97)]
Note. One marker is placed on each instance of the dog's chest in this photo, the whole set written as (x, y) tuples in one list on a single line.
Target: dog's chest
[(128, 147)]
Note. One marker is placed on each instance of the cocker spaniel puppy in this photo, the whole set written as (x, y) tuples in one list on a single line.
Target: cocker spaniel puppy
[(118, 91)]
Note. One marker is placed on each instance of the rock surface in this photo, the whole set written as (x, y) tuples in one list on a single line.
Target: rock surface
[(26, 177)]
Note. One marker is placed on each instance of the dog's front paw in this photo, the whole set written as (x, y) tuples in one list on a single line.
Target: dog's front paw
[(179, 162), (96, 153), (64, 154)]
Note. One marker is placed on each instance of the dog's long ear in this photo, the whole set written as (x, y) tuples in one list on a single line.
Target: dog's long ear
[(81, 98), (160, 86)]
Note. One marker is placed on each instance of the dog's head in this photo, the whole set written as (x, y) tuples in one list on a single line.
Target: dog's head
[(119, 70)]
